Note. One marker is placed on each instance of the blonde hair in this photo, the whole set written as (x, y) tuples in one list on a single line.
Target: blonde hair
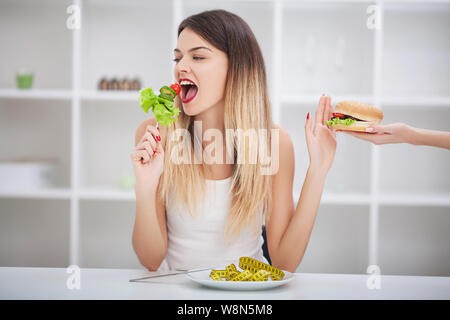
[(247, 107)]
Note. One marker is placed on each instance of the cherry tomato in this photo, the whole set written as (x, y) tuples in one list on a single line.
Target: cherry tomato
[(176, 87), (338, 115)]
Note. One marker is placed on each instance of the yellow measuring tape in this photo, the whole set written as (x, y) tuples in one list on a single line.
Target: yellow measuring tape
[(254, 270)]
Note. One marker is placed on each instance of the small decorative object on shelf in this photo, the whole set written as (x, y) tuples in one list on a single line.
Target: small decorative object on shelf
[(119, 84), (136, 84), (114, 84), (103, 84), (124, 84), (24, 79), (28, 173)]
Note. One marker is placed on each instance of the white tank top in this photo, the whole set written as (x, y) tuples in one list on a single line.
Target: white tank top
[(199, 242)]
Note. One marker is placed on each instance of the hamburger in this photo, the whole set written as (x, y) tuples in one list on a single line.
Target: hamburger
[(354, 116)]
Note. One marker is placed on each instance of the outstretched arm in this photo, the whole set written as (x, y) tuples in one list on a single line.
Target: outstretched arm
[(289, 230), (402, 133)]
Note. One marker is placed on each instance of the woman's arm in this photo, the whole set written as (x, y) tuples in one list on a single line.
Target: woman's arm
[(289, 230), (150, 233), (402, 133), (434, 138), (292, 245)]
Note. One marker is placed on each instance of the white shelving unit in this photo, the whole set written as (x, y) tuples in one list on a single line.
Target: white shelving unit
[(36, 94), (294, 43)]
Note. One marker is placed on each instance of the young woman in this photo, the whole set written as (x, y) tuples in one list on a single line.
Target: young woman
[(194, 215)]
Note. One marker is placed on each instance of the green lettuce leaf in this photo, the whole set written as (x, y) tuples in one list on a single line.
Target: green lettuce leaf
[(346, 122), (147, 99), (163, 109)]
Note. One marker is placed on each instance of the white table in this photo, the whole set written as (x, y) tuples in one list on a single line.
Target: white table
[(50, 283)]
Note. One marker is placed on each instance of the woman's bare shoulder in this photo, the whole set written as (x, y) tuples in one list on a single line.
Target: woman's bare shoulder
[(282, 133), (286, 162)]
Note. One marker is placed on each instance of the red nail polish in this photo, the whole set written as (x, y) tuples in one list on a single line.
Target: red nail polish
[(307, 116), (159, 138)]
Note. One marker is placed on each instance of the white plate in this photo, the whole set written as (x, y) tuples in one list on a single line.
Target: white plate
[(202, 277)]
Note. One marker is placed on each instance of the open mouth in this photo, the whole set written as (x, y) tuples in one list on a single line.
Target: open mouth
[(189, 90)]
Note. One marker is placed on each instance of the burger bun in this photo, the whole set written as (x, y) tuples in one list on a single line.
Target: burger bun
[(355, 126), (368, 114)]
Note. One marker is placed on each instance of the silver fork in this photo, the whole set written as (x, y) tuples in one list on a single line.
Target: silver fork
[(170, 274)]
